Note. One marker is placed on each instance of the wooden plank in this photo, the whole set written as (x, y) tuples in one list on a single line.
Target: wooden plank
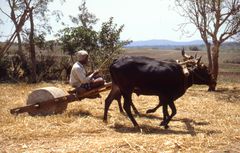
[(34, 108)]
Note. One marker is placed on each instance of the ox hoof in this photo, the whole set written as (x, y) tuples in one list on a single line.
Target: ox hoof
[(105, 121), (162, 123), (122, 112), (137, 129), (137, 113)]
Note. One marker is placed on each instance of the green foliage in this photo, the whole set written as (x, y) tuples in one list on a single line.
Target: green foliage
[(40, 41), (109, 36), (42, 44), (73, 39), (85, 18), (102, 46), (110, 44)]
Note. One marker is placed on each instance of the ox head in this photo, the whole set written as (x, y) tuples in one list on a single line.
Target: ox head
[(199, 72)]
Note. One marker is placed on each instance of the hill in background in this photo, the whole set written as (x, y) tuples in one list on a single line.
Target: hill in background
[(172, 45), (163, 42), (168, 44)]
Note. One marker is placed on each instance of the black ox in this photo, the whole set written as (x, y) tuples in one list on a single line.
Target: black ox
[(147, 76)]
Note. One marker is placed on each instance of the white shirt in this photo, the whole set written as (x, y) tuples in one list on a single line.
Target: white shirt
[(78, 75)]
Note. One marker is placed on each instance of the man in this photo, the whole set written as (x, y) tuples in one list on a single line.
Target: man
[(78, 75)]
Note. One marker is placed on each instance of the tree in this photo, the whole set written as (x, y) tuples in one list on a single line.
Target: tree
[(77, 38), (82, 36), (28, 10), (84, 18), (216, 21), (109, 41), (18, 20), (37, 10), (102, 46), (15, 17)]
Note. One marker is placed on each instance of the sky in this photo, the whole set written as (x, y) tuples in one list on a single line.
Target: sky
[(142, 19)]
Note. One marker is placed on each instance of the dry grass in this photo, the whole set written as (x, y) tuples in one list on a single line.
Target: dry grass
[(205, 122)]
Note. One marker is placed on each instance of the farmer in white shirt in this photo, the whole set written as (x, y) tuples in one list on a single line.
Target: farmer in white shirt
[(78, 76)]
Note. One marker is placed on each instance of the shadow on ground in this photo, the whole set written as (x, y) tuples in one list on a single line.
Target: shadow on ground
[(81, 113), (191, 128)]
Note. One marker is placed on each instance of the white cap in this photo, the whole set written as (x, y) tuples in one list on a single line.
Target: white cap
[(81, 55)]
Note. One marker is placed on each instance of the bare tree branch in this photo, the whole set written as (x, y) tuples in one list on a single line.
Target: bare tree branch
[(215, 19), (4, 12)]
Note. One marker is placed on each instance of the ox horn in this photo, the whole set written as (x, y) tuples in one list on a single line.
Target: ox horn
[(183, 52), (195, 56), (185, 56), (199, 59)]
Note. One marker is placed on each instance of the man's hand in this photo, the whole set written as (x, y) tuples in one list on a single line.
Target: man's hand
[(95, 72)]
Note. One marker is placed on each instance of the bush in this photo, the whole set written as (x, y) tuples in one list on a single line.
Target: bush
[(4, 65), (49, 67), (194, 48)]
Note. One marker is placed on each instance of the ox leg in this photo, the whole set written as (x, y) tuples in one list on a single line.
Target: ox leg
[(135, 109), (174, 112), (118, 99), (127, 108), (167, 118), (165, 115), (114, 94), (154, 109)]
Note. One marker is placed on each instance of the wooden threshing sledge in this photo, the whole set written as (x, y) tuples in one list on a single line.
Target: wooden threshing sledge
[(53, 100)]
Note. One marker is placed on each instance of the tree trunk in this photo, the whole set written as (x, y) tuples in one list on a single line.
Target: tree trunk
[(20, 50), (208, 46), (215, 68), (17, 27), (33, 77)]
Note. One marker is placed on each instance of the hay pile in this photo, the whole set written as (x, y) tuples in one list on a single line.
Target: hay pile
[(204, 122)]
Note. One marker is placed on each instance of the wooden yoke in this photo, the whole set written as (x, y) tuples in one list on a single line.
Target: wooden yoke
[(39, 107), (184, 67)]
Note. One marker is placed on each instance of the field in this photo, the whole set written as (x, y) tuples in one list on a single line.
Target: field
[(205, 121)]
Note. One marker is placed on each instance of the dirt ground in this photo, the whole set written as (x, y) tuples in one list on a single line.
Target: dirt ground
[(205, 122)]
